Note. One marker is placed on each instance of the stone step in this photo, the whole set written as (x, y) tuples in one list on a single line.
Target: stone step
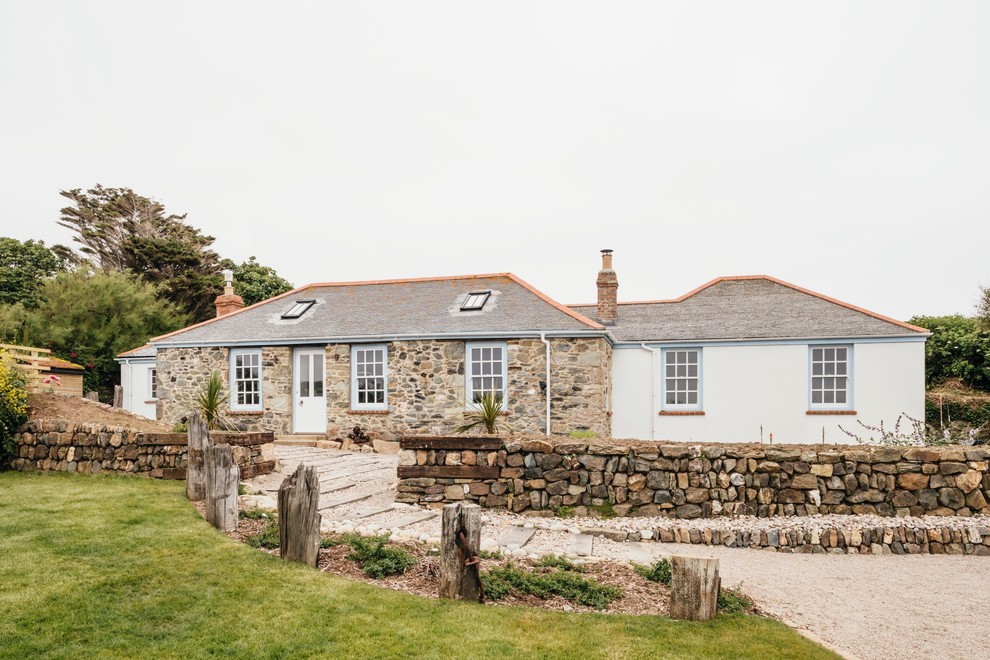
[(298, 440), (412, 519), (580, 545), (612, 534), (519, 536), (638, 552), (331, 487), (340, 501), (366, 513)]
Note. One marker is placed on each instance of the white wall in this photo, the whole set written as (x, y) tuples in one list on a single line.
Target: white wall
[(745, 388), (135, 378)]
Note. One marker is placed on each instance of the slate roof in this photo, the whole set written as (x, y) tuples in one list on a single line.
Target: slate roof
[(146, 351), (386, 308), (748, 307)]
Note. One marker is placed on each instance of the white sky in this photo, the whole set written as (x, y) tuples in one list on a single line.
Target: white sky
[(843, 146)]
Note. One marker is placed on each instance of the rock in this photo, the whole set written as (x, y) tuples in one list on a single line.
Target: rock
[(969, 481), (688, 511), (950, 467), (386, 447), (790, 496), (804, 482), (952, 498), (912, 481)]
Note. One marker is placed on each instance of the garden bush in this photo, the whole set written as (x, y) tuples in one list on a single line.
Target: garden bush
[(501, 581), (13, 408), (658, 572), (377, 560)]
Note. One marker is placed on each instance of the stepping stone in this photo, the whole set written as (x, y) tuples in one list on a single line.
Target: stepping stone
[(519, 536), (340, 501), (580, 545), (412, 519), (331, 487), (638, 552)]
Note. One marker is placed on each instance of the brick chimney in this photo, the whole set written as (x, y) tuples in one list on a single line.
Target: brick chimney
[(229, 301), (608, 288)]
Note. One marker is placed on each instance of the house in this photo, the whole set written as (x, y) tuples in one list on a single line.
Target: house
[(747, 359)]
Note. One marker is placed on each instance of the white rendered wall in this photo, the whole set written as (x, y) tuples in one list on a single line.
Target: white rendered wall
[(749, 392), (135, 378)]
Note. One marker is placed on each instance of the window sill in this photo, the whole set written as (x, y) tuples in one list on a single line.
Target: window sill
[(152, 402), (368, 412), (504, 413), (831, 412), (247, 413), (681, 413)]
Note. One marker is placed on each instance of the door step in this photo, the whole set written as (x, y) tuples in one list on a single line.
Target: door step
[(299, 440)]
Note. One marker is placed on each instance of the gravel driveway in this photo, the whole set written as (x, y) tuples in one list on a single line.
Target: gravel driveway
[(868, 606)]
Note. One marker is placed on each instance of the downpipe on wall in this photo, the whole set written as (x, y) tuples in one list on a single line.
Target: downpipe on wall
[(546, 342)]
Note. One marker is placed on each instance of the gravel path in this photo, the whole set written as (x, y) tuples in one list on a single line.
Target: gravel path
[(862, 606)]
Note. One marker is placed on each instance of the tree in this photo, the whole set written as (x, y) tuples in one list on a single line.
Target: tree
[(958, 348), (254, 282), (983, 308), (120, 230), (91, 317), (23, 269)]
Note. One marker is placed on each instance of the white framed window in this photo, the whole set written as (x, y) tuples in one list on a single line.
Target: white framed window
[(486, 371), (681, 380), (830, 380), (153, 383), (245, 379), (369, 377)]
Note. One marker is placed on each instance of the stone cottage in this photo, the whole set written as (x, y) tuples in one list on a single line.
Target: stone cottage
[(748, 359)]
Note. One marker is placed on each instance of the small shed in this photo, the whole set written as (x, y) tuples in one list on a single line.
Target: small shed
[(69, 374)]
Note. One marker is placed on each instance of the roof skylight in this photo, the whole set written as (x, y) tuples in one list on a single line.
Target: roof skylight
[(298, 309), (475, 301)]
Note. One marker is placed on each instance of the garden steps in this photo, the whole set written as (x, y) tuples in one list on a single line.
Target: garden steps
[(298, 440), (412, 519), (580, 545), (518, 536), (341, 501)]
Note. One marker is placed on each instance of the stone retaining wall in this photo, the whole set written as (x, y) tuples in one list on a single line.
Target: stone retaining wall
[(696, 481), (61, 446)]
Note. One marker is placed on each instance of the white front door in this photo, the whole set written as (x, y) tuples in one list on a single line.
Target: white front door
[(309, 391)]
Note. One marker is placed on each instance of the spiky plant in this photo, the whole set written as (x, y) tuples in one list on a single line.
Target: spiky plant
[(487, 412), (210, 402)]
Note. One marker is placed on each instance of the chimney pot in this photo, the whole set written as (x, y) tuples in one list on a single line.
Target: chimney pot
[(608, 287), (228, 301)]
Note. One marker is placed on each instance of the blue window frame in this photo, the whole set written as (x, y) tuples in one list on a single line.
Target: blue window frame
[(830, 377), (681, 379), (369, 377), (486, 371), (245, 379)]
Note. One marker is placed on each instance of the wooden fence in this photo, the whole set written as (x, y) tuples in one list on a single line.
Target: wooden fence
[(29, 361)]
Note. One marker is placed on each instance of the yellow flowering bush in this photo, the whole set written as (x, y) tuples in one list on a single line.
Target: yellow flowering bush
[(13, 407)]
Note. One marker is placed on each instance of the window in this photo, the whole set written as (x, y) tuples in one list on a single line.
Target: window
[(245, 379), (486, 371), (153, 387), (830, 377), (475, 301), (369, 378), (298, 309), (682, 379)]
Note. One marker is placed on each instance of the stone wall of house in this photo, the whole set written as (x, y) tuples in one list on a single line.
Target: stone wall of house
[(61, 446), (688, 481), (426, 387), (184, 372)]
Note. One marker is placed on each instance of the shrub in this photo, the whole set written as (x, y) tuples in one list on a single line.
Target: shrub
[(734, 601), (13, 408), (256, 513), (268, 538), (658, 572), (958, 348), (604, 511), (558, 562), (210, 403), (486, 414), (377, 560), (499, 582), (564, 511)]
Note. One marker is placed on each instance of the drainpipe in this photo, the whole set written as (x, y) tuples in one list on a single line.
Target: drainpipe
[(655, 408), (543, 338)]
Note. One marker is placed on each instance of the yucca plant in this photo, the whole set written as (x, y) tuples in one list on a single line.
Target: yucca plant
[(487, 410), (210, 402)]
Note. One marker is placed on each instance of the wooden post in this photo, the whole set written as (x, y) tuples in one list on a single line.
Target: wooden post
[(694, 588), (460, 545), (199, 440), (298, 518), (118, 396), (222, 478)]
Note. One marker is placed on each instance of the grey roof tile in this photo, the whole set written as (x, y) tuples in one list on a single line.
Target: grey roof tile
[(388, 308), (758, 307)]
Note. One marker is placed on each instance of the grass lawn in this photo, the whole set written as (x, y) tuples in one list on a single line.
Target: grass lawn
[(110, 566)]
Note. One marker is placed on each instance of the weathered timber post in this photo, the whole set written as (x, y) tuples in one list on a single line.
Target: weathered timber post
[(118, 396), (298, 519), (199, 440), (222, 478), (694, 588), (460, 545)]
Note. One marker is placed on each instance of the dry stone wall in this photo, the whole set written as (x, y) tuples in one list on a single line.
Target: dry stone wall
[(60, 446), (692, 481)]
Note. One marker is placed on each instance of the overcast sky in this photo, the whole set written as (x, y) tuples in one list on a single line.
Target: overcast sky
[(842, 146)]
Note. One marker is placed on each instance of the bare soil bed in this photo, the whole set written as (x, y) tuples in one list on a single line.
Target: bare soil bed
[(84, 411), (639, 595)]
